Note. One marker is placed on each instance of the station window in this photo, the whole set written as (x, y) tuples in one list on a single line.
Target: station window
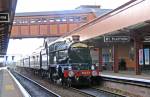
[(35, 20), (19, 21), (63, 19), (107, 58), (77, 19), (24, 21), (14, 22), (58, 19), (84, 19), (39, 21), (44, 20), (52, 20), (32, 21), (71, 19), (131, 53)]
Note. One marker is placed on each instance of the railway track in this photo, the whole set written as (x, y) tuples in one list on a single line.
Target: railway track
[(93, 92), (62, 91), (33, 88), (82, 92)]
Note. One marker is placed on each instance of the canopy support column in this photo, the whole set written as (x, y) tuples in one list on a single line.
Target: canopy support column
[(116, 60), (137, 45)]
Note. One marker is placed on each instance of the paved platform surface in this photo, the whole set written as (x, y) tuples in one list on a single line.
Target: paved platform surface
[(128, 75), (8, 87)]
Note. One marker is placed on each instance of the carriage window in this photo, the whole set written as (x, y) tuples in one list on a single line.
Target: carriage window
[(55, 60), (62, 54), (44, 59), (51, 58), (62, 57)]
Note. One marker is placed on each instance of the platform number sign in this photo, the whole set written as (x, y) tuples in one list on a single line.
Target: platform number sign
[(116, 38), (4, 17), (141, 60)]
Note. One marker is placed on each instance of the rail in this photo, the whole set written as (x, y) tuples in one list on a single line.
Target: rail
[(24, 92), (97, 92), (34, 85)]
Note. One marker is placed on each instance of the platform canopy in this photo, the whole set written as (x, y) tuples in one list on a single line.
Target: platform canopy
[(7, 11), (130, 19)]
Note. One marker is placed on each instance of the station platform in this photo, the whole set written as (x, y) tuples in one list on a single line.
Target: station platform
[(127, 75), (8, 87)]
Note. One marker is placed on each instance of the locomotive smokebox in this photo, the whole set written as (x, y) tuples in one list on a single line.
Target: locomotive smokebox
[(76, 38)]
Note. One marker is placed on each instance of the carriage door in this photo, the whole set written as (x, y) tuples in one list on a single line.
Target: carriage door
[(44, 60)]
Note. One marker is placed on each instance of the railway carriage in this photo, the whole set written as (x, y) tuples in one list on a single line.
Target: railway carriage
[(44, 62), (35, 62), (26, 61)]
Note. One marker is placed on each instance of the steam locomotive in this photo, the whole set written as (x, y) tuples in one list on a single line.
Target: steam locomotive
[(69, 63)]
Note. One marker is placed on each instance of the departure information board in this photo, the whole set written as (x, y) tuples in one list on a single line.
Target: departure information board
[(4, 17)]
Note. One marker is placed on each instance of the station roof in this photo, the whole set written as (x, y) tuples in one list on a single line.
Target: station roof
[(80, 10), (7, 11)]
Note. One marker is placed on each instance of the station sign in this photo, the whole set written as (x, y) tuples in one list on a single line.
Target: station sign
[(4, 17), (116, 39)]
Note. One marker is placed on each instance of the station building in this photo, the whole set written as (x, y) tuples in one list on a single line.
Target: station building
[(121, 38)]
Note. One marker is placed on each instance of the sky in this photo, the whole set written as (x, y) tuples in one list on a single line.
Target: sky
[(27, 46), (55, 5), (23, 47)]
